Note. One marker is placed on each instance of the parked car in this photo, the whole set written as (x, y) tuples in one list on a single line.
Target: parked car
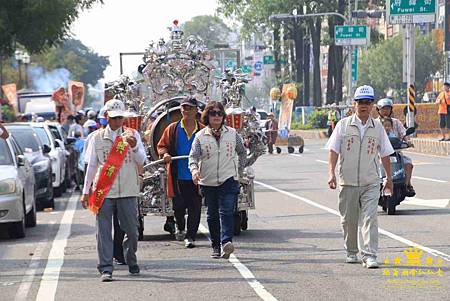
[(262, 117), (37, 154), (17, 202), (57, 155)]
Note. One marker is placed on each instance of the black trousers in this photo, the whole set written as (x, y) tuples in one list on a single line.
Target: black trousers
[(190, 200)]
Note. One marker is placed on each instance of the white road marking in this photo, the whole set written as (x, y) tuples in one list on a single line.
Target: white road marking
[(382, 231), (49, 281), (429, 179), (28, 278), (246, 273), (322, 161), (297, 155), (438, 203)]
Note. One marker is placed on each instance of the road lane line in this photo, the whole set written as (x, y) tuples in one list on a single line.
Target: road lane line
[(322, 161), (28, 278), (246, 273), (429, 179), (296, 155), (49, 281), (382, 231), (437, 203)]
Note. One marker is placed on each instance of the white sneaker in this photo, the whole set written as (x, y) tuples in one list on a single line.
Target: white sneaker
[(370, 263), (227, 249), (189, 243), (179, 235), (351, 258)]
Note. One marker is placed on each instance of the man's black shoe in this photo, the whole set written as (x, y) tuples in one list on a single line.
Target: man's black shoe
[(134, 270), (216, 253), (410, 192), (106, 277), (170, 227)]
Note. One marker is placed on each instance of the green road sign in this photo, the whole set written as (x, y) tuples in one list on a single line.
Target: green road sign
[(411, 11), (246, 68), (268, 60), (345, 35), (355, 64), (282, 60)]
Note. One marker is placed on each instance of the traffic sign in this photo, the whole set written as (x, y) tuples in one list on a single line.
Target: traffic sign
[(268, 60), (346, 35), (411, 11), (355, 64), (258, 66)]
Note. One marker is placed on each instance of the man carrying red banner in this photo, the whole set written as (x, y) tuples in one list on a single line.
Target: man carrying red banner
[(115, 154)]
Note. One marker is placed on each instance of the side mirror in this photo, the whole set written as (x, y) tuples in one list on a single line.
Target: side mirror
[(21, 160), (58, 143), (71, 140), (46, 149), (410, 131)]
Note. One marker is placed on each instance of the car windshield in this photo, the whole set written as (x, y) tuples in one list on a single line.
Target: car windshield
[(263, 115), (42, 136), (5, 155), (26, 138)]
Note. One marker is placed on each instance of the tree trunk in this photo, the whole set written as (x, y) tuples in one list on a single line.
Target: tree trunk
[(298, 40), (306, 63), (315, 28), (276, 51)]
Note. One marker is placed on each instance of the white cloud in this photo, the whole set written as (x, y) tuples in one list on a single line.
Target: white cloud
[(129, 25)]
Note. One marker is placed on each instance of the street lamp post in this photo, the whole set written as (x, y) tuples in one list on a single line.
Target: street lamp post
[(26, 61), (19, 56)]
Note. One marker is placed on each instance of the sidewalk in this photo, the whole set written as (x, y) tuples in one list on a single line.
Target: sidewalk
[(426, 144)]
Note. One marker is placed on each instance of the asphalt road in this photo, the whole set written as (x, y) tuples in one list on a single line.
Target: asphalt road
[(293, 249)]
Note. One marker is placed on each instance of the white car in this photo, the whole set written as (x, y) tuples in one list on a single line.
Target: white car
[(262, 118), (17, 187), (57, 155)]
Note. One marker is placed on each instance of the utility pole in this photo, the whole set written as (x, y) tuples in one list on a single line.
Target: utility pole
[(349, 59), (409, 51)]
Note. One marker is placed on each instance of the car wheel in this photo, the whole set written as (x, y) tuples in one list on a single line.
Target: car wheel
[(290, 149), (31, 217), (300, 149), (17, 230)]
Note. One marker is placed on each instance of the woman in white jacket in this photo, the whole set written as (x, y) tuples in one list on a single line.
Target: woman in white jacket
[(216, 159)]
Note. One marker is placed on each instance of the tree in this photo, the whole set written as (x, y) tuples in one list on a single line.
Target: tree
[(37, 24), (209, 28), (82, 62), (381, 66)]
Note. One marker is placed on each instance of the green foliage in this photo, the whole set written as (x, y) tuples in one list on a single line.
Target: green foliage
[(37, 24), (381, 65), (318, 119), (210, 28), (7, 113), (83, 63)]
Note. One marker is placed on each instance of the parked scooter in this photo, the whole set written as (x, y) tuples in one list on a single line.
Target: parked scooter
[(389, 200)]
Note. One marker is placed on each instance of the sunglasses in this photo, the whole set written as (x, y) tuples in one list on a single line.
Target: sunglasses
[(117, 117), (215, 113)]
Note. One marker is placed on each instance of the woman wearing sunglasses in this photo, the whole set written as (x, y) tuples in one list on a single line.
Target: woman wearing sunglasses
[(216, 159)]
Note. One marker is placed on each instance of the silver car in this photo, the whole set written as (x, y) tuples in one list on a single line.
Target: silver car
[(17, 187), (57, 155)]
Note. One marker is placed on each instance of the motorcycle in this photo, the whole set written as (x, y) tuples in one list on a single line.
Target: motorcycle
[(389, 201)]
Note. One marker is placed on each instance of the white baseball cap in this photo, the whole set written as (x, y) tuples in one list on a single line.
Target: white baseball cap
[(101, 113), (90, 124), (115, 108), (91, 114), (364, 92)]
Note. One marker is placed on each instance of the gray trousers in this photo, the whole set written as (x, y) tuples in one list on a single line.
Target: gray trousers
[(128, 221), (359, 218)]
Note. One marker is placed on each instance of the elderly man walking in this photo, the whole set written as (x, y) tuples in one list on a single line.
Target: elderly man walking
[(358, 142), (115, 154)]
